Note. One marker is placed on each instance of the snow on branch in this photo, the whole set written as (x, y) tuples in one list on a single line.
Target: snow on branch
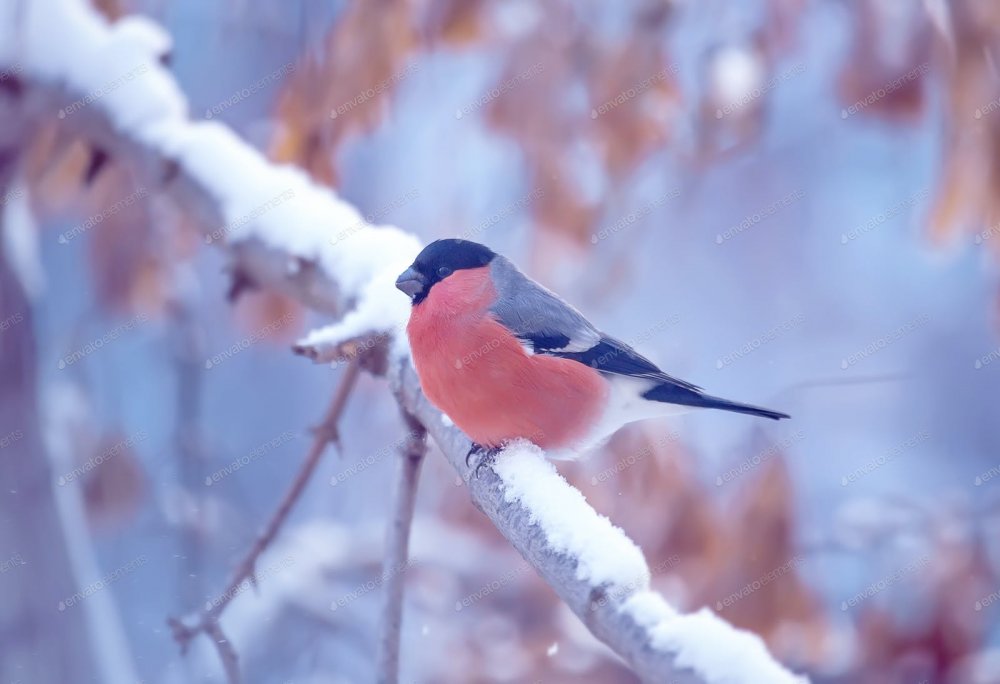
[(594, 567), (107, 84)]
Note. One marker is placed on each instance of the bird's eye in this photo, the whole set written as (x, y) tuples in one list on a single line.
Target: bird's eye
[(444, 272)]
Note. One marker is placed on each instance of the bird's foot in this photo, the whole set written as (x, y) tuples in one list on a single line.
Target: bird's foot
[(486, 457)]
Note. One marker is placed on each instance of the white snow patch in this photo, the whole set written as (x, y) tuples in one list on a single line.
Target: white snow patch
[(649, 609), (736, 73), (263, 201), (115, 68), (605, 555), (380, 308), (698, 639), (20, 240)]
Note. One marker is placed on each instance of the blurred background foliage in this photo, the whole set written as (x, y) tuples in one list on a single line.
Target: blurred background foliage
[(791, 202)]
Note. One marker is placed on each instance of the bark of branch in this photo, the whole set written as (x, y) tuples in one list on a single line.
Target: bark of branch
[(291, 255), (207, 621), (396, 560)]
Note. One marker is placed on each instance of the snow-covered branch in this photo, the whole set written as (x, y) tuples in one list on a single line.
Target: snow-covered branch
[(594, 567), (107, 84)]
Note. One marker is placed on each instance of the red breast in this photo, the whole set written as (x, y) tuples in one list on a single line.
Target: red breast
[(473, 368)]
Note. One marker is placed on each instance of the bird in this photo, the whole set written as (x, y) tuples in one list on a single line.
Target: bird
[(507, 359)]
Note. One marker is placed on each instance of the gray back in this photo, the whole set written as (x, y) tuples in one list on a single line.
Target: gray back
[(537, 315)]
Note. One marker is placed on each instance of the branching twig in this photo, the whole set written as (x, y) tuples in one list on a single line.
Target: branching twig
[(227, 654), (208, 620), (396, 558)]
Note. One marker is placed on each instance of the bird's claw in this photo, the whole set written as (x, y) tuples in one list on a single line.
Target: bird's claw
[(487, 455), (473, 448)]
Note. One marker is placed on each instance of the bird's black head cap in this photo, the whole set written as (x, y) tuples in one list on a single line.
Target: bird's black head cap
[(437, 261)]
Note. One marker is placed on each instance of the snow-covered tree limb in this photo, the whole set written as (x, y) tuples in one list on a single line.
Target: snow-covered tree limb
[(593, 566), (106, 83)]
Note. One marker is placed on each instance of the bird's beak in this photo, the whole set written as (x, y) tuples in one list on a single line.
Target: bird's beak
[(411, 282)]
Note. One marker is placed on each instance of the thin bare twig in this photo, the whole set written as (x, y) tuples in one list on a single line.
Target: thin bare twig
[(207, 620), (227, 654), (396, 558)]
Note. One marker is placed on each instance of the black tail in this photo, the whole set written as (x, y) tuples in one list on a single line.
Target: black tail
[(675, 394)]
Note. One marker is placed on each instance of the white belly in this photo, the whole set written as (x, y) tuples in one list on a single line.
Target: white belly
[(625, 405)]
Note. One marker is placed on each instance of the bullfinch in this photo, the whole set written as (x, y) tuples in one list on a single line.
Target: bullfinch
[(506, 359)]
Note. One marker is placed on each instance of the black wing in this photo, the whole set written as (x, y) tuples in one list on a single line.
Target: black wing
[(617, 358), (548, 325)]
